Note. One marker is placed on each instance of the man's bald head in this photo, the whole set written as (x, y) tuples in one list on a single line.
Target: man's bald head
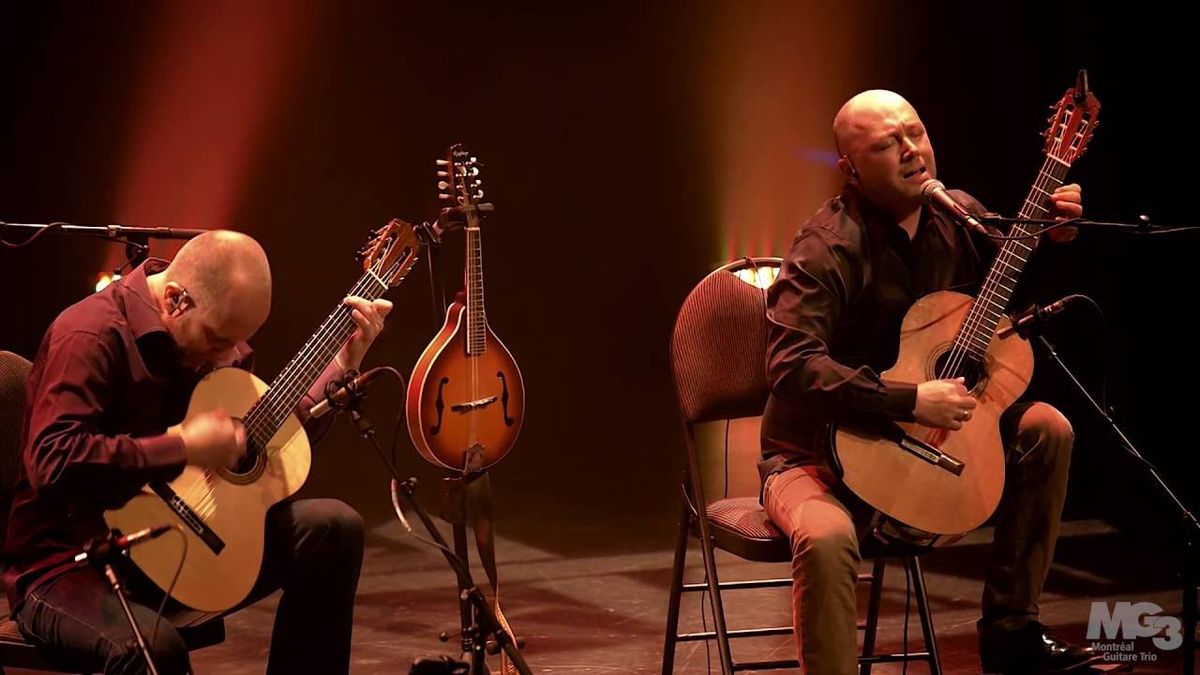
[(215, 293), (883, 149), (862, 112)]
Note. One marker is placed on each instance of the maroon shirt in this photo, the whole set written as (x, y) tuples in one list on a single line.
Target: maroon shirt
[(106, 384)]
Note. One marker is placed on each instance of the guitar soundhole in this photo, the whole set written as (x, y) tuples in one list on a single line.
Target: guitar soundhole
[(249, 468), (965, 366)]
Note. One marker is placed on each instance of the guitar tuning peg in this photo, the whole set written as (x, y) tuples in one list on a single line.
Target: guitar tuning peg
[(443, 174), (442, 162), (443, 195), (443, 185)]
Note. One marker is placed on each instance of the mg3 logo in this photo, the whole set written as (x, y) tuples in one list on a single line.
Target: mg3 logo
[(1132, 620)]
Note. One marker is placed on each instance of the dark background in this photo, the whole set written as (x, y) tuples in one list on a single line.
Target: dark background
[(589, 121)]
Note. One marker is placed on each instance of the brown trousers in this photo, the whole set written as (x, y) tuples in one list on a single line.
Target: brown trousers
[(825, 557)]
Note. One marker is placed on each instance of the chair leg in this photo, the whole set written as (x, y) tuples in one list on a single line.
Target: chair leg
[(714, 596), (935, 662), (872, 626), (681, 546)]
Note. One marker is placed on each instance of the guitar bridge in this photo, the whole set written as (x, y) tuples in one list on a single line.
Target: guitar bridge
[(927, 452), (189, 517), (473, 405)]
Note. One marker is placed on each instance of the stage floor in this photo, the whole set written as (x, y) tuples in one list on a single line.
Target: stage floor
[(587, 605)]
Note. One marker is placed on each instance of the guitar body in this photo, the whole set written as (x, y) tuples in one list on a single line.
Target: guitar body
[(464, 410), (905, 485), (231, 507)]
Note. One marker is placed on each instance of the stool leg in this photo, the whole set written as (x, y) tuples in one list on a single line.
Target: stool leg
[(935, 662), (872, 614)]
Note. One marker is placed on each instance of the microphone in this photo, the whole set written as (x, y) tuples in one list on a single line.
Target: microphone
[(101, 548), (934, 193), (1024, 323), (346, 392)]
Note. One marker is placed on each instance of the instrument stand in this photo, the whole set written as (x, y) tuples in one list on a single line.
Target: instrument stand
[(454, 511), (1191, 526), (482, 632), (475, 616), (454, 483), (430, 235)]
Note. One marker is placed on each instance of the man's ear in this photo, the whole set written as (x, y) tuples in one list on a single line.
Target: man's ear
[(177, 298), (847, 168)]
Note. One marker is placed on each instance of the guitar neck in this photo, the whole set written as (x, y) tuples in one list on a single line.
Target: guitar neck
[(302, 371), (476, 318), (997, 289)]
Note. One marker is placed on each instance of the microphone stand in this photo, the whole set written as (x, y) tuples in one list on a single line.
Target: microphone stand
[(1143, 226), (136, 239), (1188, 577), (105, 558), (117, 232), (1190, 524)]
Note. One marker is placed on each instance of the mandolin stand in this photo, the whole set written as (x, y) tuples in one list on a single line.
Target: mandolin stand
[(477, 621), (1188, 520), (482, 631)]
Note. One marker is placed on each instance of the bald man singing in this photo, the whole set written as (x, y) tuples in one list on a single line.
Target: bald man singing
[(854, 270), (113, 373)]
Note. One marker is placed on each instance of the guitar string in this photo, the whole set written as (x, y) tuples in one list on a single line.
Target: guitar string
[(975, 315), (262, 426), (981, 313), (1056, 175), (321, 342)]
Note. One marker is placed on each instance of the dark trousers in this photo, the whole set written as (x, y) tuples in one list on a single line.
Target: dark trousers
[(313, 551)]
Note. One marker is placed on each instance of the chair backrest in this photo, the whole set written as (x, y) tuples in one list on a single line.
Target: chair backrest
[(13, 371), (719, 345)]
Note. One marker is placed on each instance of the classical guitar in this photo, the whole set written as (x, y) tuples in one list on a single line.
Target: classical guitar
[(222, 511), (932, 485)]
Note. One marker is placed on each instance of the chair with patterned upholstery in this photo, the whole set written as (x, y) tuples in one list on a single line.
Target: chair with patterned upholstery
[(718, 357)]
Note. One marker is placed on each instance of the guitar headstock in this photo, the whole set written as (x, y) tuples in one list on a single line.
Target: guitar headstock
[(1072, 122), (391, 252), (459, 184)]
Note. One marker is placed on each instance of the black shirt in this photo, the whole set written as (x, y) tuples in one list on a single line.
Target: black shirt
[(835, 313)]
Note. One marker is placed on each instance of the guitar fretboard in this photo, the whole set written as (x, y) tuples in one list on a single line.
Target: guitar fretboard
[(977, 329), (286, 390), (476, 319)]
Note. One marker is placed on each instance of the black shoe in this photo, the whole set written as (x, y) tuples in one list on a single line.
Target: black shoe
[(1031, 650)]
